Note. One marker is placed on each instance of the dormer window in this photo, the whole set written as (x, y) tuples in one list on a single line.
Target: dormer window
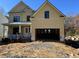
[(46, 14), (28, 18), (16, 19)]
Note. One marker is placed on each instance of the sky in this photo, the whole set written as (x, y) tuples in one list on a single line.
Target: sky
[(67, 7)]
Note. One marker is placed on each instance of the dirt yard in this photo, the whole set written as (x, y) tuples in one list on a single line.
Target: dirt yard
[(38, 50)]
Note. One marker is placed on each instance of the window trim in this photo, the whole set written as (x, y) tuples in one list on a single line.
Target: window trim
[(48, 14), (15, 19)]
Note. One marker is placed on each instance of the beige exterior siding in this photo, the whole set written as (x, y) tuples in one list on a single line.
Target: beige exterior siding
[(55, 21), (17, 11), (23, 16)]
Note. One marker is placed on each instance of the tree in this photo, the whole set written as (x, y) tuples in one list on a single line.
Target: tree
[(2, 10), (69, 26)]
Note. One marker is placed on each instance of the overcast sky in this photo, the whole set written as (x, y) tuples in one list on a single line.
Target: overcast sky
[(68, 7)]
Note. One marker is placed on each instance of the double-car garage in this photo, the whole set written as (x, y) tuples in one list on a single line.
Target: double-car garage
[(47, 34)]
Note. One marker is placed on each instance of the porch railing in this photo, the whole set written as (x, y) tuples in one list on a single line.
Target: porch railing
[(20, 36)]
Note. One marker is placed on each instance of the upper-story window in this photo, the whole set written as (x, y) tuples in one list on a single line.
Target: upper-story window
[(16, 19), (28, 18), (46, 14)]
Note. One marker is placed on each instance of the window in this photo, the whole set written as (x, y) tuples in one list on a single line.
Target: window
[(26, 30), (16, 19), (28, 18), (46, 14)]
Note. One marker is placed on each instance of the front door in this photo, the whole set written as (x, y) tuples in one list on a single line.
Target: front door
[(15, 30)]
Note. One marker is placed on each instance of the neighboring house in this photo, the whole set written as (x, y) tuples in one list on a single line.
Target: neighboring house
[(3, 19), (46, 23)]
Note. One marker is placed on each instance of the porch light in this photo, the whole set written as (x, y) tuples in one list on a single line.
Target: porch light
[(49, 30)]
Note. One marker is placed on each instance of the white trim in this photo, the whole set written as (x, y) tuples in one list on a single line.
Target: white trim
[(19, 28), (18, 23)]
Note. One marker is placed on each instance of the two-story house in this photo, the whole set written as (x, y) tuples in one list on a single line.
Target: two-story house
[(45, 23)]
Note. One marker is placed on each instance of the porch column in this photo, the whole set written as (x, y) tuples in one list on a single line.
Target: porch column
[(19, 28), (29, 29)]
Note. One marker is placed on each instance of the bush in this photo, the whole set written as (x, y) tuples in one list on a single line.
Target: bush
[(71, 32)]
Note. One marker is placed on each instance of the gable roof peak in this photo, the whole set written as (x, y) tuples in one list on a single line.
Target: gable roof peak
[(21, 2), (46, 0)]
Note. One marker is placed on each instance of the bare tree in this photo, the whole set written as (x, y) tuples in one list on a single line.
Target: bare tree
[(69, 26), (2, 10)]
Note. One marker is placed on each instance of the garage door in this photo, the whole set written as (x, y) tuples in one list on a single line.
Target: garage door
[(47, 34)]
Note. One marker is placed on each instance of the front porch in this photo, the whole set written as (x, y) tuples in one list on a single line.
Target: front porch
[(17, 31), (20, 38)]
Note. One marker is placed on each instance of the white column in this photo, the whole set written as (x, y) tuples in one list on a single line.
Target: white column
[(19, 28), (29, 28)]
